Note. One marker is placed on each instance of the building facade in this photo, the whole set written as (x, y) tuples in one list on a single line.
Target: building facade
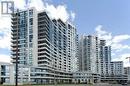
[(44, 42), (6, 73), (127, 72), (42, 75), (105, 56), (110, 70), (49, 51), (89, 58), (24, 26), (95, 57), (117, 68), (116, 74), (85, 77)]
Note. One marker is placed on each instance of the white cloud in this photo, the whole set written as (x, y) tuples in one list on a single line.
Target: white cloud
[(5, 41), (5, 58), (120, 38), (99, 30), (123, 58), (116, 43), (119, 46), (38, 4), (5, 23), (19, 4), (102, 34), (58, 12), (72, 14), (113, 54)]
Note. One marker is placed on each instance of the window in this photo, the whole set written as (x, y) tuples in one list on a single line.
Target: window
[(30, 38), (31, 21), (30, 12)]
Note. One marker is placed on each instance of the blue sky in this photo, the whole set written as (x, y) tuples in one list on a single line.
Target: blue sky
[(109, 19), (114, 15)]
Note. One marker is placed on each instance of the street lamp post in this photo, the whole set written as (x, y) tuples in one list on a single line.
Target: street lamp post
[(16, 78)]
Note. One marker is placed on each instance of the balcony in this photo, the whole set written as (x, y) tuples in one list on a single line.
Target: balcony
[(43, 25), (14, 18), (13, 57), (44, 57), (44, 65), (14, 41), (14, 26), (44, 61), (14, 29), (14, 22), (13, 14), (14, 33), (13, 49), (13, 45)]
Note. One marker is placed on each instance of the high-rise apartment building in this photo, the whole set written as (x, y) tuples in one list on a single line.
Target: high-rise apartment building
[(95, 58), (105, 56), (110, 71), (106, 60), (88, 61), (44, 42), (57, 43), (89, 56), (26, 33)]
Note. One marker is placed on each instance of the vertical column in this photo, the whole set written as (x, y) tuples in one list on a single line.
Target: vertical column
[(0, 74), (11, 76)]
